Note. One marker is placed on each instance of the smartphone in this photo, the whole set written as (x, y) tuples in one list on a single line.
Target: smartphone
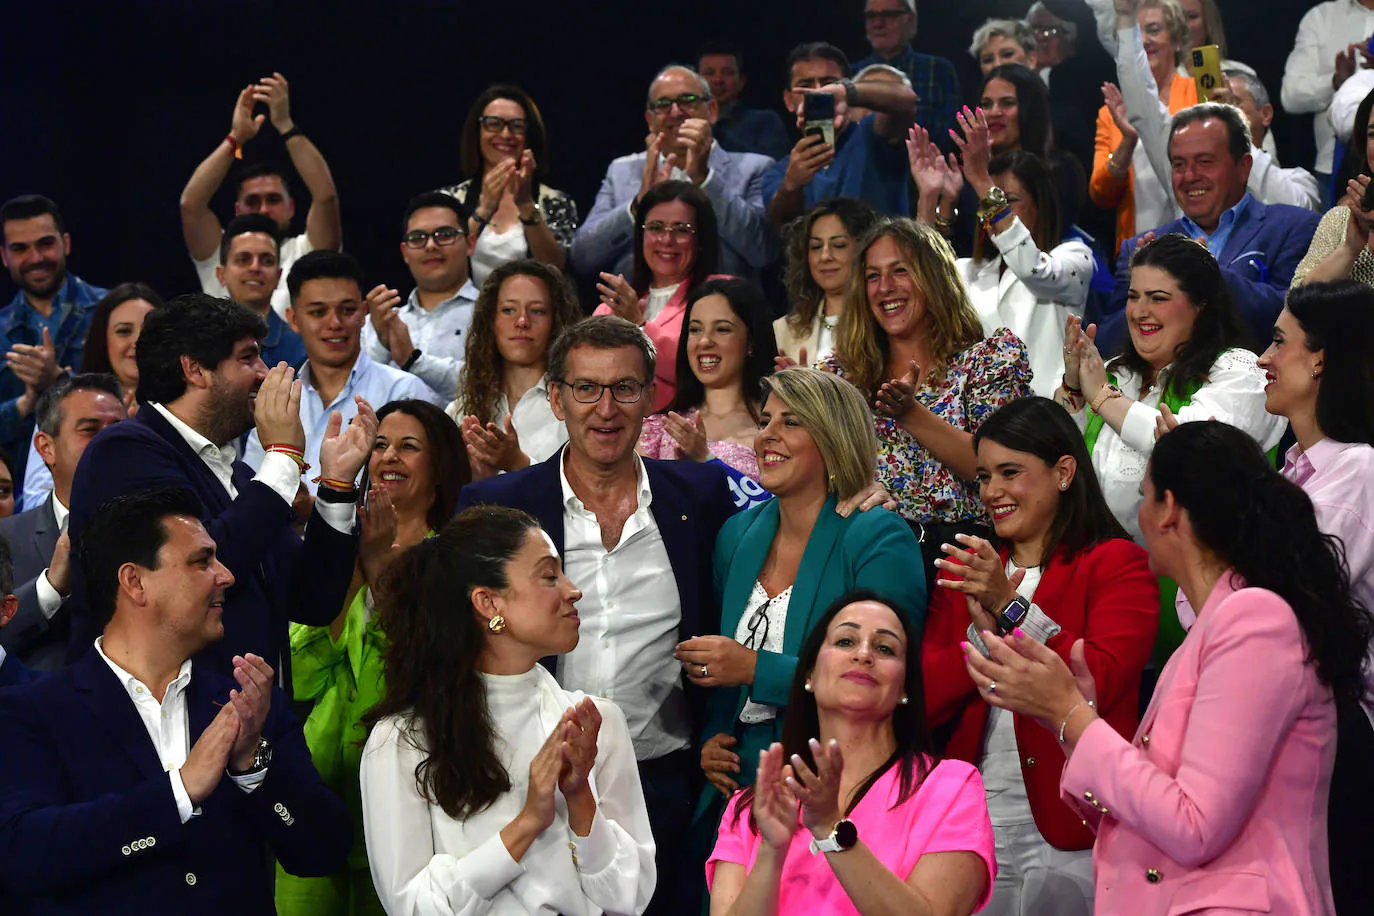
[(818, 116), (1206, 71)]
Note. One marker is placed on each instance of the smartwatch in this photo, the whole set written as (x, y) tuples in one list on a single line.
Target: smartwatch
[(1012, 615), (843, 837)]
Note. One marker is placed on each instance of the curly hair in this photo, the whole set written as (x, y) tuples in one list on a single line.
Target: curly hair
[(433, 685), (480, 386), (861, 344), (807, 297)]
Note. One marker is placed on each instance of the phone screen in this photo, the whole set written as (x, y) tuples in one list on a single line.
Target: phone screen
[(818, 116)]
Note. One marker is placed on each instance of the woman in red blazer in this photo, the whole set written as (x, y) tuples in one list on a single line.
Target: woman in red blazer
[(1064, 571)]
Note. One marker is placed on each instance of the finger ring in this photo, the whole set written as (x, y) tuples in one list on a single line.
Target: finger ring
[(703, 671), (992, 686)]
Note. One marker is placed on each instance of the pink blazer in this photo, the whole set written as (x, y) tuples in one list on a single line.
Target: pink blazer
[(1219, 804)]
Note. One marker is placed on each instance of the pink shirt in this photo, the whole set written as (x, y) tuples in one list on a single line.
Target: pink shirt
[(656, 442), (948, 813)]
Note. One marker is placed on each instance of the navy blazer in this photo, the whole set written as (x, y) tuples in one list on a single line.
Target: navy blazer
[(32, 535), (14, 673), (1258, 264), (691, 502), (88, 822), (278, 577)]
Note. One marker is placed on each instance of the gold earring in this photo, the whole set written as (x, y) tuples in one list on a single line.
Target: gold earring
[(496, 624)]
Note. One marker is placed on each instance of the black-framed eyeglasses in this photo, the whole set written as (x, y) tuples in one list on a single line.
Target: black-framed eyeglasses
[(884, 15), (684, 102), (494, 125), (758, 624), (625, 391), (1047, 32), (681, 232), (444, 236)]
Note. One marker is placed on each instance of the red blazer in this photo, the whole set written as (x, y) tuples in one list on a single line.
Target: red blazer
[(1108, 597)]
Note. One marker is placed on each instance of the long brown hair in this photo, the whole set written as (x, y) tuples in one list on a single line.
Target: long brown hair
[(449, 470), (433, 685), (807, 297), (861, 345), (483, 366)]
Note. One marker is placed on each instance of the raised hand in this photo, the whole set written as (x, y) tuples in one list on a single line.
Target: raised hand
[(953, 176), (975, 149), (897, 397), (809, 156), (345, 450), (275, 92), (616, 292), (251, 702), (381, 310), (209, 756), (654, 171), (245, 126), (584, 720), (399, 342), (690, 435), (979, 574), (377, 543), (495, 446), (922, 156), (59, 571), (277, 409), (1116, 107), (695, 134), (718, 763), (775, 807), (1346, 63), (819, 791), (35, 366)]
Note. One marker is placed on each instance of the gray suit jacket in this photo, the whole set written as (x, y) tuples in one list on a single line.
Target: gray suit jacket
[(32, 535), (735, 186)]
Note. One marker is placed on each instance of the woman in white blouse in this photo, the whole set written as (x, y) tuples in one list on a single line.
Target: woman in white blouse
[(1022, 276), (1185, 357), (486, 787), (502, 402)]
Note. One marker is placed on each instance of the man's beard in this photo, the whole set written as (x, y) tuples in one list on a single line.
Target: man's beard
[(58, 273), (228, 415)]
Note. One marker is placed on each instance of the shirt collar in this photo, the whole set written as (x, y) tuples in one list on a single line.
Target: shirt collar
[(361, 366), (20, 307), (1228, 219), (1300, 465), (199, 444), (466, 293), (132, 684), (570, 500), (59, 511)]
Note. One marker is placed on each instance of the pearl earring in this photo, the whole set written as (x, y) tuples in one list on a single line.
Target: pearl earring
[(1316, 375), (496, 624), (904, 701), (1063, 484), (807, 687)]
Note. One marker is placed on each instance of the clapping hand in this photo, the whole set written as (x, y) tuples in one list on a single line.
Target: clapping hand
[(275, 93), (377, 542), (981, 576), (581, 724), (897, 397), (1075, 341), (277, 409), (775, 805), (1031, 678), (922, 156), (345, 450), (251, 702), (975, 147), (689, 434), (695, 134), (35, 365), (245, 125), (522, 182), (617, 293), (819, 791), (497, 447), (497, 181), (381, 304), (654, 171)]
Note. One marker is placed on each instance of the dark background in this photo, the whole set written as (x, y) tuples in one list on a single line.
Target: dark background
[(107, 107)]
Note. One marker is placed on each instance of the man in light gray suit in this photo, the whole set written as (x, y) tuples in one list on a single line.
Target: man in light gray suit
[(70, 413), (680, 113)]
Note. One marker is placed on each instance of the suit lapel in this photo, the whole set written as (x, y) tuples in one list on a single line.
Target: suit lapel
[(801, 607), (746, 565), (546, 499), (210, 490), (113, 713), (45, 523), (676, 524), (1244, 233)]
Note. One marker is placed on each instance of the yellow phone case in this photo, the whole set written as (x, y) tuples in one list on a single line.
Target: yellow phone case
[(1206, 71)]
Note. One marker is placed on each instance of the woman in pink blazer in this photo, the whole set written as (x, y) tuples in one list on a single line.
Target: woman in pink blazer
[(676, 247), (1219, 804)]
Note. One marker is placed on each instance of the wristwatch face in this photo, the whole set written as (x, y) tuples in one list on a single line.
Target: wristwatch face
[(1014, 613), (846, 834)]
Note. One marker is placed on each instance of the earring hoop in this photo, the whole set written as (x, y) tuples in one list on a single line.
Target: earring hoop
[(496, 624)]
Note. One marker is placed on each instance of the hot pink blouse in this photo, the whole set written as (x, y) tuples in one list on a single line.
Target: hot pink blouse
[(948, 813)]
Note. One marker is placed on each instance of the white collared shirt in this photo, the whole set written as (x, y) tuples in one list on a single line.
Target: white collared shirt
[(49, 599), (630, 612), (541, 433), (440, 334), (169, 728), (376, 382)]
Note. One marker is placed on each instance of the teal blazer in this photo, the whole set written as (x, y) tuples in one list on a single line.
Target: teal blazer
[(874, 550)]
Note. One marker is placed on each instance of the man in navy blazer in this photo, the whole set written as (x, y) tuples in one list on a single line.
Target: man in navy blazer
[(13, 672), (680, 113), (137, 781), (202, 385), (1258, 246)]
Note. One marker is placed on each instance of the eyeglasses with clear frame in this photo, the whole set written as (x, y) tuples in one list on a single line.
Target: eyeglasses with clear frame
[(681, 232)]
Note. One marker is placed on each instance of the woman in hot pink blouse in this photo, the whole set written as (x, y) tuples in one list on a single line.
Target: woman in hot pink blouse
[(725, 349), (881, 827)]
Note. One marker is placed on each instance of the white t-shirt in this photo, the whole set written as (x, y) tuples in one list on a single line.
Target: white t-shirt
[(291, 251), (1000, 764)]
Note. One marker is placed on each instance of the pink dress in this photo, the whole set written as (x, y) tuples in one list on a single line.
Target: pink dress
[(656, 442), (948, 813)]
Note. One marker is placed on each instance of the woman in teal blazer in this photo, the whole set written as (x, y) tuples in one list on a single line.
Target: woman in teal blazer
[(779, 565)]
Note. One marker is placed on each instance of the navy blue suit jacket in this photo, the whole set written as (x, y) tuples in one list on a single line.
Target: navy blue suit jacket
[(1258, 264), (691, 502), (278, 577), (14, 673), (89, 824)]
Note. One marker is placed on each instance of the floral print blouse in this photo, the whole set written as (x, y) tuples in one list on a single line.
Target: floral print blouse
[(656, 442), (978, 380), (559, 210)]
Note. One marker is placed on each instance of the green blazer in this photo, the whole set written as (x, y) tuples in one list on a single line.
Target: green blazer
[(874, 550)]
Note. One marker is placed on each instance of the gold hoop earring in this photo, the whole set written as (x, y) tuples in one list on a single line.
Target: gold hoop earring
[(496, 624)]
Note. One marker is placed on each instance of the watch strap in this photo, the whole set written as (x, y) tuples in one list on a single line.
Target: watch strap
[(414, 357)]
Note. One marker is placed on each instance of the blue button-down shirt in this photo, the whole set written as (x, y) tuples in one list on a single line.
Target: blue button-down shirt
[(21, 323), (378, 385), (282, 345), (1216, 239), (936, 86), (866, 166)]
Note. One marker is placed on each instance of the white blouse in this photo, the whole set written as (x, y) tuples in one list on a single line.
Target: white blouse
[(1234, 394), (496, 248), (761, 628), (425, 862), (1033, 296)]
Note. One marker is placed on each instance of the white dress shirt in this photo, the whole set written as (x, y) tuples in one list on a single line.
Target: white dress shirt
[(440, 334), (1234, 394), (376, 382), (169, 728), (1033, 296), (541, 433), (630, 612), (1346, 103), (425, 862), (1325, 31)]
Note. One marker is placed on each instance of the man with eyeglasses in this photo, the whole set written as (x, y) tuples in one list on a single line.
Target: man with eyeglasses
[(250, 269), (426, 335), (262, 189), (890, 26), (43, 328), (680, 113)]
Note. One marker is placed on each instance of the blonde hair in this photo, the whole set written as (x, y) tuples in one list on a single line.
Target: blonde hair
[(861, 345), (837, 418), (1176, 21)]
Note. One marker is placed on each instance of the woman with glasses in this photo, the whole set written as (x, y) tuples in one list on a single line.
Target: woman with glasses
[(511, 212), (778, 566), (676, 247)]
